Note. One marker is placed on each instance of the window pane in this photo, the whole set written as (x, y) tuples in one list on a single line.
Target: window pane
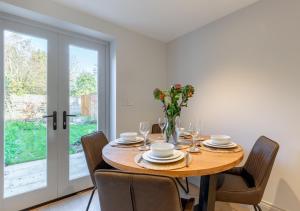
[(25, 141), (83, 102)]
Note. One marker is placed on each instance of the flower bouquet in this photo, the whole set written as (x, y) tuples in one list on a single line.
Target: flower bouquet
[(173, 100)]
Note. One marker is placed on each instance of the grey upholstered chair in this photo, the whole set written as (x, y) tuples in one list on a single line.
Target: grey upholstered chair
[(139, 192), (156, 129), (92, 146), (246, 185)]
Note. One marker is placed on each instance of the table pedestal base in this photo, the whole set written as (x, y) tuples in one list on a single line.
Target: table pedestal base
[(207, 194)]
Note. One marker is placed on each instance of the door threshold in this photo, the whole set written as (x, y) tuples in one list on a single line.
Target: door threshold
[(57, 199)]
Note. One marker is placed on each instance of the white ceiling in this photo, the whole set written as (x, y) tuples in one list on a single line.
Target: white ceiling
[(164, 20)]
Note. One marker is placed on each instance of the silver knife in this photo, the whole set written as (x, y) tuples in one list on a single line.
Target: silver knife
[(187, 155)]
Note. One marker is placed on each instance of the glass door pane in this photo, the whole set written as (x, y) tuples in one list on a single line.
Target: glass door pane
[(83, 102), (25, 102)]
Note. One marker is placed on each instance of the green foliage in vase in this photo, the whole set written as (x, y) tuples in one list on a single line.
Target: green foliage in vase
[(173, 100)]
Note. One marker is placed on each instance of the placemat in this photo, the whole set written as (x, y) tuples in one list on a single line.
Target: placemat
[(211, 149), (155, 166)]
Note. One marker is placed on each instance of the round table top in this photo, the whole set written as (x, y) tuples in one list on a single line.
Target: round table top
[(203, 163)]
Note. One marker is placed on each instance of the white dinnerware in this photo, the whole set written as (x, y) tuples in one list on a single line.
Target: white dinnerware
[(210, 143), (162, 149), (135, 141), (185, 133), (175, 154), (220, 139), (128, 136), (146, 156), (180, 131)]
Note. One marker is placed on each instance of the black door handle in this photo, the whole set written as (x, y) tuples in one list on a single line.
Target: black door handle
[(65, 115), (54, 116)]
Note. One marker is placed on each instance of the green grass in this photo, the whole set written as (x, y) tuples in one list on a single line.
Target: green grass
[(26, 141)]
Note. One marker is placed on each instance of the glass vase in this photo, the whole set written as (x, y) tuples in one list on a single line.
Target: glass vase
[(171, 135)]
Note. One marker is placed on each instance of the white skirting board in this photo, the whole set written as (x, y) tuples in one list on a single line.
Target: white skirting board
[(266, 206)]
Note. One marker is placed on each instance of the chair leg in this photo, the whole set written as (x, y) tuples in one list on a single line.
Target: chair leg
[(187, 185), (91, 198), (257, 207), (187, 188)]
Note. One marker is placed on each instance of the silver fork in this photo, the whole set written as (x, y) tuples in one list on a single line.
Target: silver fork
[(140, 159)]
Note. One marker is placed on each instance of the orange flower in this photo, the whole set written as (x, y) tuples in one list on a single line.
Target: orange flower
[(161, 96)]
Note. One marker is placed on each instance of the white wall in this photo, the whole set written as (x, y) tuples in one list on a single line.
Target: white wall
[(246, 70), (140, 61)]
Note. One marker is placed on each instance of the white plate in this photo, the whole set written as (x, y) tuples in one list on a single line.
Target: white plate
[(176, 154), (185, 133), (128, 135), (137, 140), (226, 146), (147, 158), (220, 139), (211, 142)]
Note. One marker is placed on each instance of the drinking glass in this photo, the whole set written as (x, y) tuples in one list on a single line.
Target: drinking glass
[(178, 127), (178, 122), (162, 124), (194, 130), (144, 130)]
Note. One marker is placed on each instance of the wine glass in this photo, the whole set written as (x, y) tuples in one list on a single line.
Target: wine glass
[(178, 122), (194, 130), (178, 126), (162, 124), (144, 130)]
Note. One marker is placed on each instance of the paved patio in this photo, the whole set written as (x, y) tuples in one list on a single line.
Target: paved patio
[(24, 177)]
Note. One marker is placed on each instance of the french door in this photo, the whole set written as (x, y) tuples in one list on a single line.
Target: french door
[(53, 91), (82, 102)]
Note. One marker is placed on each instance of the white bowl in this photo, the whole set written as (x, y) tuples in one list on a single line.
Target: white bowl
[(128, 136), (180, 131), (220, 139), (162, 149)]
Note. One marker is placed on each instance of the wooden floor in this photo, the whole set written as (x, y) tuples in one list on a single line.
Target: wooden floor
[(79, 202)]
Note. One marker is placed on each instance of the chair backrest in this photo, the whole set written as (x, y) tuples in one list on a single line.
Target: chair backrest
[(155, 128), (135, 192), (92, 146), (260, 161)]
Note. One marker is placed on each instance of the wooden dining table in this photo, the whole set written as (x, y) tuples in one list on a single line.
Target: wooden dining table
[(206, 164)]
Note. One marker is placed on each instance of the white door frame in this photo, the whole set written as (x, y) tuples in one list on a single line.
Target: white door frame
[(66, 186), (1, 115), (50, 191), (57, 180)]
